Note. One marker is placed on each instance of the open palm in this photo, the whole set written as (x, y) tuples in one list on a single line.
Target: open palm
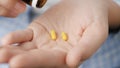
[(86, 31)]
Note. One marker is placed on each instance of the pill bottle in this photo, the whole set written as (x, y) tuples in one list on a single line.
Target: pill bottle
[(36, 3)]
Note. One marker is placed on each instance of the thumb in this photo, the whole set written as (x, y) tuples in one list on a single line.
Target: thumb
[(92, 39)]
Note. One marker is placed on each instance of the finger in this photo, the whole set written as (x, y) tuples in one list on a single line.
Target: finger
[(11, 4), (91, 40), (17, 37), (6, 53), (20, 7), (8, 3), (3, 11), (39, 58), (6, 13), (13, 7)]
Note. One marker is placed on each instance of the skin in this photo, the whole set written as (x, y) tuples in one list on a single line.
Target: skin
[(87, 29), (11, 8), (114, 15)]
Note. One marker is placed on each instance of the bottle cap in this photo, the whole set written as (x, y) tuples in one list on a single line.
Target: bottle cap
[(36, 3)]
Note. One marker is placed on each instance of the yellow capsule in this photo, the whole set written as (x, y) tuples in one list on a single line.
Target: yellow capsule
[(64, 36), (53, 35)]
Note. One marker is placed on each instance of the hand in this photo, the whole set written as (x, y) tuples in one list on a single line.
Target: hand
[(11, 8), (87, 29)]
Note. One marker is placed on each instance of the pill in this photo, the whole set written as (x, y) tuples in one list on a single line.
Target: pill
[(36, 3), (64, 36), (53, 35)]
